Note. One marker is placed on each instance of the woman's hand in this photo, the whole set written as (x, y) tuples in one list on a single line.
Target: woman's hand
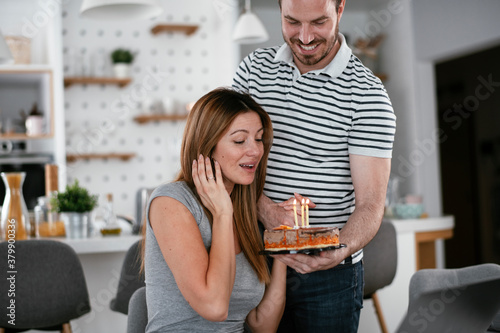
[(211, 190), (267, 315)]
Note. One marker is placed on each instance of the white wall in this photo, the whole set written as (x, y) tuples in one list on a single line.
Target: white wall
[(99, 119), (450, 28)]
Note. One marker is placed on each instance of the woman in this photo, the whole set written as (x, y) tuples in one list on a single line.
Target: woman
[(202, 264)]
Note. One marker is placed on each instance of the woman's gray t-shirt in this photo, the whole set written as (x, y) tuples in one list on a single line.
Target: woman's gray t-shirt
[(168, 311)]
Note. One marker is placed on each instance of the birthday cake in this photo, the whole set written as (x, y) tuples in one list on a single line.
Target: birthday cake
[(299, 238)]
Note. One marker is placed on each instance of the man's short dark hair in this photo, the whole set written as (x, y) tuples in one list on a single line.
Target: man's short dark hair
[(337, 4)]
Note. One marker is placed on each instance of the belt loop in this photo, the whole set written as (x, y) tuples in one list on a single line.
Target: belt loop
[(348, 260)]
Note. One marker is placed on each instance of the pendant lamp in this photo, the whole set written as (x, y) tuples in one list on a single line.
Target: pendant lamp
[(5, 55), (116, 10), (249, 29)]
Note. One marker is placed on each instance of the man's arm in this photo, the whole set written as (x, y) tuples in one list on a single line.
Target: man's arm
[(273, 214), (369, 177)]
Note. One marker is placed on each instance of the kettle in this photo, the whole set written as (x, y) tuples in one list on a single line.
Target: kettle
[(141, 200)]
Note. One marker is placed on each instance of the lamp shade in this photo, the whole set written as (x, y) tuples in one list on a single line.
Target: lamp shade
[(5, 55), (117, 10), (249, 29)]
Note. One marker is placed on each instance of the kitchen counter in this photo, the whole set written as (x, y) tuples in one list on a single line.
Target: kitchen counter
[(102, 244), (423, 225)]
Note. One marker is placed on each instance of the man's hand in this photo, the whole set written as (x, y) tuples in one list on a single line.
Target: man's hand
[(304, 263), (273, 214)]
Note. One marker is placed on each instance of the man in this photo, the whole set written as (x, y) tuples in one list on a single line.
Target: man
[(333, 133)]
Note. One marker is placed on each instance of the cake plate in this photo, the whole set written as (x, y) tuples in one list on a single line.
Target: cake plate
[(304, 251)]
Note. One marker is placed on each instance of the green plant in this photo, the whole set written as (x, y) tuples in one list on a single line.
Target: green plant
[(74, 199), (122, 56)]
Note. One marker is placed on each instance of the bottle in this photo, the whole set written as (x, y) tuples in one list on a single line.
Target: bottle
[(51, 179), (111, 226), (15, 219)]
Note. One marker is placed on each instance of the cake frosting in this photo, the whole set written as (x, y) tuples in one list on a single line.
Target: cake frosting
[(288, 238)]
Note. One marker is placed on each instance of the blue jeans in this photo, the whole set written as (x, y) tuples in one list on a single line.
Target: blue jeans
[(324, 301)]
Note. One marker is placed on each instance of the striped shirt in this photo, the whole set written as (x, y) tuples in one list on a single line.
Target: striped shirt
[(319, 118)]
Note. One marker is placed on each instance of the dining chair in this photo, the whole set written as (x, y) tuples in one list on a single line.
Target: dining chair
[(45, 286), (138, 312), (380, 260), (460, 300), (131, 279)]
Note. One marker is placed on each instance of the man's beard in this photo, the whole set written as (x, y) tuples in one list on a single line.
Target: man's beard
[(311, 60)]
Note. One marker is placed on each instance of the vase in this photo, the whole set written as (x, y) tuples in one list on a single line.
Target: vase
[(121, 70), (15, 219), (76, 224), (34, 125)]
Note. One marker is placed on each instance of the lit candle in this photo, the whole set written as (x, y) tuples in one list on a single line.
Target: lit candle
[(307, 212), (295, 212), (302, 211)]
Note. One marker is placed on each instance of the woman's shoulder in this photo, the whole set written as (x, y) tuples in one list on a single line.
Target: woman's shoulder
[(179, 191)]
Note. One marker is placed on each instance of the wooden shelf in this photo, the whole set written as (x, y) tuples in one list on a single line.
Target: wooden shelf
[(22, 136), (68, 81), (30, 68), (146, 118), (101, 156), (187, 29)]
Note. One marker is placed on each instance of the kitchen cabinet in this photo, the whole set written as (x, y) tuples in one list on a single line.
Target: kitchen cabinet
[(20, 88), (38, 81)]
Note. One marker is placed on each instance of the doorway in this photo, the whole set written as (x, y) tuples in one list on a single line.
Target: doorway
[(468, 98)]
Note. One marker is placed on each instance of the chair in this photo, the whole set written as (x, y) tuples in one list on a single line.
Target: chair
[(453, 300), (130, 279), (138, 312), (380, 260), (47, 288)]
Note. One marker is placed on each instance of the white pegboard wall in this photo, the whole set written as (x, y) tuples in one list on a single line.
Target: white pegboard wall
[(99, 118)]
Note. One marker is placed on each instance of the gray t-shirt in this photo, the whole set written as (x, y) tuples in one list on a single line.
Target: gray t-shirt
[(168, 311)]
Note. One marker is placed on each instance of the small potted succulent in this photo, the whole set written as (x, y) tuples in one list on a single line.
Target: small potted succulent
[(74, 206), (122, 58)]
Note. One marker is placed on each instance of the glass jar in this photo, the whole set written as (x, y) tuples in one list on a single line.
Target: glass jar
[(48, 223), (15, 219)]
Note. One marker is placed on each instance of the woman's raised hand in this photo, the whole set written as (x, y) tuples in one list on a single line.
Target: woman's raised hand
[(211, 189)]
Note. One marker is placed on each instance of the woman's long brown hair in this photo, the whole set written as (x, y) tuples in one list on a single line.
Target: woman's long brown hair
[(207, 122)]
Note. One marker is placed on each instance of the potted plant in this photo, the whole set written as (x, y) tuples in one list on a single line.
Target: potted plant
[(34, 122), (122, 59), (74, 206)]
